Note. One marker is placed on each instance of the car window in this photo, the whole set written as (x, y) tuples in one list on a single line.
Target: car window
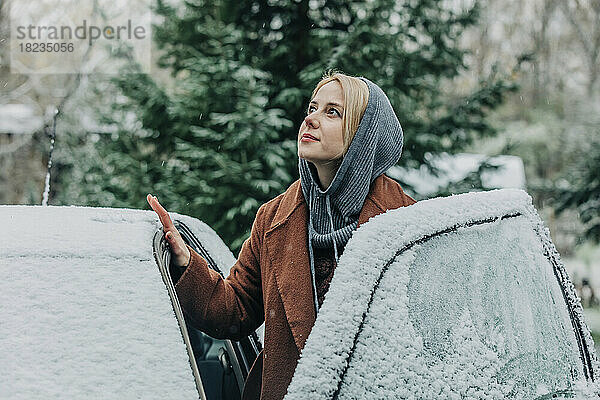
[(484, 300), (458, 305), (478, 316), (84, 313)]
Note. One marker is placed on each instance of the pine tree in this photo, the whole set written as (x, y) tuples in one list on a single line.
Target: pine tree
[(208, 146), (582, 191), (409, 48), (219, 138)]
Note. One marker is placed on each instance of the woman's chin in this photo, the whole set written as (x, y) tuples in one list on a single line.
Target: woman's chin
[(310, 154), (308, 157), (304, 155)]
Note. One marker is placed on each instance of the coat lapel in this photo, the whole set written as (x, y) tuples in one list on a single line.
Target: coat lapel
[(288, 250), (370, 209), (287, 246)]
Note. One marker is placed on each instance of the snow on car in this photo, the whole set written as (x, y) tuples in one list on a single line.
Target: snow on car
[(86, 313), (458, 297), (462, 297)]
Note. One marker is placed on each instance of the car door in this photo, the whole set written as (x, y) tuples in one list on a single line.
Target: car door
[(457, 297), (84, 313), (220, 366)]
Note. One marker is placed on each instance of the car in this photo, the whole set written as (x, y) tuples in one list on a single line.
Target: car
[(88, 309), (462, 297)]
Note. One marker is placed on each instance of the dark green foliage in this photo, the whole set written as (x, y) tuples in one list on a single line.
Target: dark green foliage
[(219, 138), (409, 48), (582, 191)]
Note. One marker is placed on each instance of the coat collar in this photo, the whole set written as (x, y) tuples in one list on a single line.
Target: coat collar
[(375, 203), (287, 244)]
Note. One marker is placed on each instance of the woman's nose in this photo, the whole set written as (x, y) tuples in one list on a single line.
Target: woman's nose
[(311, 121)]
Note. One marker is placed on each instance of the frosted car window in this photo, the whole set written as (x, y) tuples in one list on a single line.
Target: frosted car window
[(78, 328), (478, 316), (456, 297), (85, 313)]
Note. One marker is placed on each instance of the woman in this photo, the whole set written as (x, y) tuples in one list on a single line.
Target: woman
[(348, 139)]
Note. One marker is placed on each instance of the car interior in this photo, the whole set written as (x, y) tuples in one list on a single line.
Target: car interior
[(214, 366)]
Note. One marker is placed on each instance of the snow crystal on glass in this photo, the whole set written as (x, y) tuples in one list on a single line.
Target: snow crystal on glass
[(476, 312), (465, 325)]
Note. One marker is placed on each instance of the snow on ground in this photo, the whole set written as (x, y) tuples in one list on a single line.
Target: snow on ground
[(468, 314), (85, 313)]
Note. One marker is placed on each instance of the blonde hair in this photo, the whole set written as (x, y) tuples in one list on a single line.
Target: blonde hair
[(356, 97)]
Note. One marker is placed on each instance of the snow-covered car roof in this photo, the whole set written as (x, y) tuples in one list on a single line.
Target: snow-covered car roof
[(85, 312), (457, 297)]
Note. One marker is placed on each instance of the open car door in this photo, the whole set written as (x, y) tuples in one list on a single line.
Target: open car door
[(220, 366), (84, 312), (457, 297)]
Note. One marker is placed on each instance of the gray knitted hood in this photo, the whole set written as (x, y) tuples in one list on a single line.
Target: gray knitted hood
[(376, 146)]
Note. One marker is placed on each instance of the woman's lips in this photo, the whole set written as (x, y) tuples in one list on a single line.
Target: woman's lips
[(308, 138)]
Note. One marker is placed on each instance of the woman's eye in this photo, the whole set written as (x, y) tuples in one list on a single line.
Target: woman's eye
[(312, 109)]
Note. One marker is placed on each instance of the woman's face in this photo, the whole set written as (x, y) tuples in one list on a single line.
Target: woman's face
[(320, 137)]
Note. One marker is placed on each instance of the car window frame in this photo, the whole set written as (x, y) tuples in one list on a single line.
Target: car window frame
[(242, 353), (162, 257)]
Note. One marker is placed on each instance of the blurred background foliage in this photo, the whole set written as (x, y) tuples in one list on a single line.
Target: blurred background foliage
[(212, 130), (217, 138)]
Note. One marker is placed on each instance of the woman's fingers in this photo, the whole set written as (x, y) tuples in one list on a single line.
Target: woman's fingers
[(163, 215), (178, 248), (171, 238)]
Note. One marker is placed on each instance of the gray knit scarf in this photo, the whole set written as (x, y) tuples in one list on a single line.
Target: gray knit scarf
[(376, 146)]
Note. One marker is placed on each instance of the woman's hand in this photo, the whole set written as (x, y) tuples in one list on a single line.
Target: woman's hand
[(179, 251)]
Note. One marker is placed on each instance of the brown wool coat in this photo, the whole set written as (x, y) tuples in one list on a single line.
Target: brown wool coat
[(270, 282)]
